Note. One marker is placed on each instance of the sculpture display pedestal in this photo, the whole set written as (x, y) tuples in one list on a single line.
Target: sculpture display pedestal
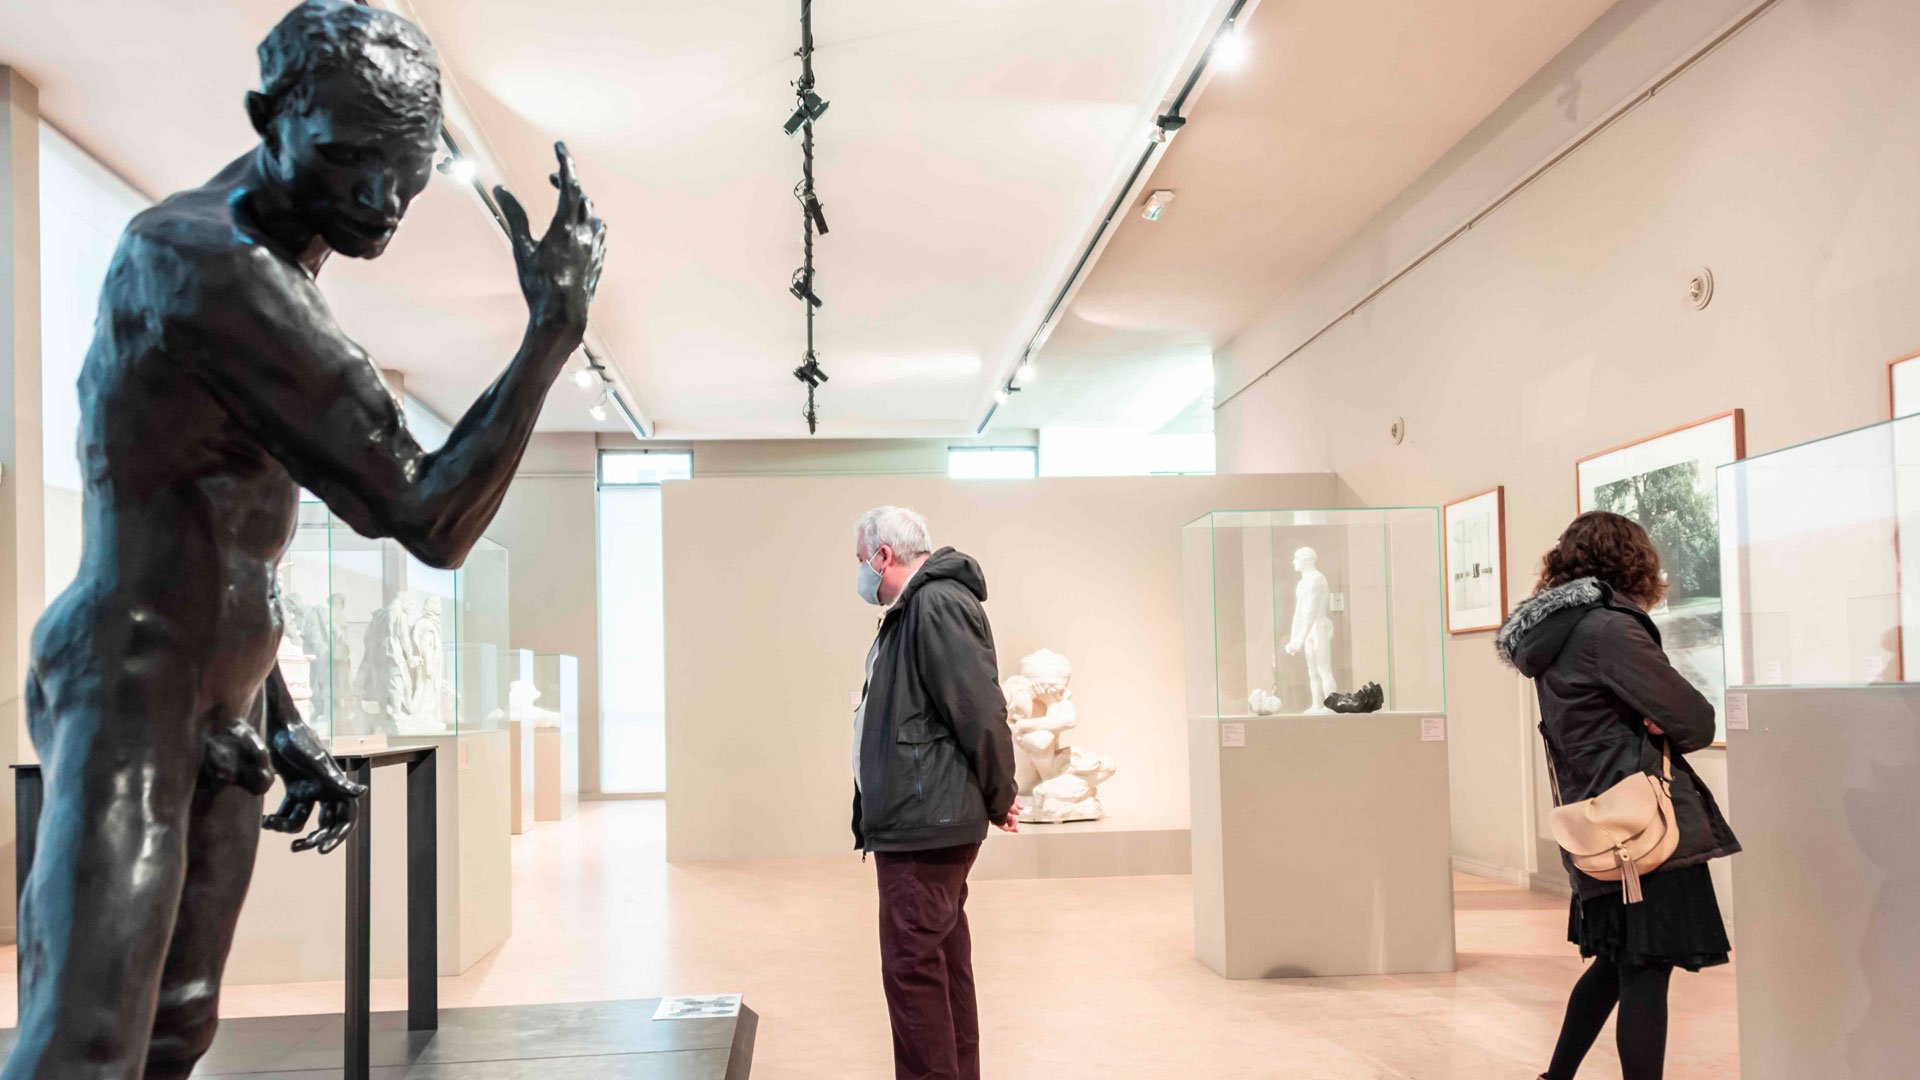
[(1118, 845), (605, 1040), (519, 776), (553, 798), (1322, 845), (1821, 791)]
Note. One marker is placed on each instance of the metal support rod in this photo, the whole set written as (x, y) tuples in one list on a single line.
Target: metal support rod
[(423, 894), (359, 930)]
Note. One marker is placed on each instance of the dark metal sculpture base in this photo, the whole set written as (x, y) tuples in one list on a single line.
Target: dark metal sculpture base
[(602, 1040)]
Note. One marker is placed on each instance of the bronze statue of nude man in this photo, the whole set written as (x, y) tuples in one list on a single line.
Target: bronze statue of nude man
[(217, 384)]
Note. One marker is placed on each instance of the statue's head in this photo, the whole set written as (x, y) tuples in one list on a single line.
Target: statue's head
[(348, 113), (1305, 559), (1048, 673)]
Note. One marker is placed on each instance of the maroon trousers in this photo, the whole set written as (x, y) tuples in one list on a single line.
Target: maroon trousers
[(926, 963)]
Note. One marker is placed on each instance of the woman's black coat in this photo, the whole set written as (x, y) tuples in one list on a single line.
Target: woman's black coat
[(1598, 667)]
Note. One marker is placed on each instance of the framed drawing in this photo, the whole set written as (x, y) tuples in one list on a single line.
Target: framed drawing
[(1903, 386), (1476, 531), (1666, 483)]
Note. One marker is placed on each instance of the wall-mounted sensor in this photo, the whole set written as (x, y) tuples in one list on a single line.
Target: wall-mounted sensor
[(1157, 204)]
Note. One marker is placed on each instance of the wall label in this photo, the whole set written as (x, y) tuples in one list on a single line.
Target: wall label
[(1233, 735), (1433, 729), (1736, 712)]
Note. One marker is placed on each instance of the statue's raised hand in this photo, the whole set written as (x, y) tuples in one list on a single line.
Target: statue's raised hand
[(560, 271)]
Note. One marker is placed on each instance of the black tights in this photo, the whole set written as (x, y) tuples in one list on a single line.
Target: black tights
[(1641, 992)]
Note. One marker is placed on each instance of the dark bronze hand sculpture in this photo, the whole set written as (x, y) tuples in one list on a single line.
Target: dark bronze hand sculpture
[(217, 384), (1367, 699)]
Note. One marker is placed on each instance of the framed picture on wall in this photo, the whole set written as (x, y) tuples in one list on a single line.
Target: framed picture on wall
[(1476, 534), (1667, 483), (1903, 386)]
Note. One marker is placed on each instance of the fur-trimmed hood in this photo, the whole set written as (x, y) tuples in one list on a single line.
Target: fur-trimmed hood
[(1540, 625)]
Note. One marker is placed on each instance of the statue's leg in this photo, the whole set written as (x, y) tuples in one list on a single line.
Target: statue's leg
[(222, 837), (120, 753)]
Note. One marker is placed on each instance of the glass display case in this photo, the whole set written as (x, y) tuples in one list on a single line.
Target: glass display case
[(1287, 607), (378, 644), (1814, 556)]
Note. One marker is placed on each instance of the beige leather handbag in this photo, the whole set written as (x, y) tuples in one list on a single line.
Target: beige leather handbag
[(1622, 833)]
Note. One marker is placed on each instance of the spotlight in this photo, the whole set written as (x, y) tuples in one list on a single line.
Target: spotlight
[(811, 204), (460, 169), (1229, 48), (1157, 204), (599, 410), (810, 372), (812, 107), (585, 379), (1025, 373), (1166, 127), (801, 286), (1002, 396)]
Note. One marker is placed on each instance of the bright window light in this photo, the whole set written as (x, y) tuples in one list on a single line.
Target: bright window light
[(992, 463), (1120, 451), (623, 468)]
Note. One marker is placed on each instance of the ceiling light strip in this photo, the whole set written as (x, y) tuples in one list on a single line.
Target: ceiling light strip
[(1164, 127)]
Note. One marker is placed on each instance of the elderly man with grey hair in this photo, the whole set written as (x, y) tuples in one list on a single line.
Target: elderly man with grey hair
[(932, 767)]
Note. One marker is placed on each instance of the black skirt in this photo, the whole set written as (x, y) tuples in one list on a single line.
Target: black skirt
[(1678, 922)]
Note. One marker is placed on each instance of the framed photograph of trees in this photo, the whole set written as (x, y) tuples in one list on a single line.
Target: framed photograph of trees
[(1666, 482)]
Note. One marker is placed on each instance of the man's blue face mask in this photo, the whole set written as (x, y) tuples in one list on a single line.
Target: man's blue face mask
[(868, 583)]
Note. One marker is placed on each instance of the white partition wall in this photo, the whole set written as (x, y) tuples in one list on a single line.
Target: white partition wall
[(766, 637)]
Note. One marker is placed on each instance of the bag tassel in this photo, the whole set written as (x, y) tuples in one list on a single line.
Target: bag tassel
[(1629, 877)]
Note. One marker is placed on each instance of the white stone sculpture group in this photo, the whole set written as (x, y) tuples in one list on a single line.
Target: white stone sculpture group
[(402, 682), (1058, 781)]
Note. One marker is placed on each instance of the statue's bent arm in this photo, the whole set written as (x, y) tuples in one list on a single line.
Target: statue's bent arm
[(274, 350)]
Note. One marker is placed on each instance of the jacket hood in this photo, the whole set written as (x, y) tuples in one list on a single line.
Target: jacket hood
[(951, 565), (1539, 627)]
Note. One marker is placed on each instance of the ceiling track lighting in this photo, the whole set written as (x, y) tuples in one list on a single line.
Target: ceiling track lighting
[(808, 106), (1165, 126)]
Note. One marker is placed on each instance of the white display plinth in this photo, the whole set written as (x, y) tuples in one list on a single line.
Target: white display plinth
[(1119, 845), (519, 776), (294, 924), (1321, 845), (1827, 907)]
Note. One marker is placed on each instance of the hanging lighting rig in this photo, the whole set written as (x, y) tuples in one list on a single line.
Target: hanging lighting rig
[(808, 107)]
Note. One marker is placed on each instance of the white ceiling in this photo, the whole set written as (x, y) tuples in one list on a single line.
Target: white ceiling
[(969, 146), (1334, 110)]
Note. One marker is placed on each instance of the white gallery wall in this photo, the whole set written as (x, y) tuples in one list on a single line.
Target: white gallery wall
[(547, 525), (1786, 160), (766, 639)]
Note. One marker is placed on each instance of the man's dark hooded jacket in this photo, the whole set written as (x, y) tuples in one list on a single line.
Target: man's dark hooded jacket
[(1597, 665), (936, 756)]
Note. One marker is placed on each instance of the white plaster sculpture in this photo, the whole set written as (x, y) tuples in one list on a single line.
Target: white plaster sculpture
[(380, 684), (401, 683), (1060, 782), (1313, 628), (426, 711), (1263, 703), (521, 696)]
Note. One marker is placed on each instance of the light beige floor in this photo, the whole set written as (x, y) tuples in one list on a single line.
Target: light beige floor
[(1089, 978)]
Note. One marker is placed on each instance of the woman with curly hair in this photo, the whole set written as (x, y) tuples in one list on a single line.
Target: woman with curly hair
[(1609, 698)]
